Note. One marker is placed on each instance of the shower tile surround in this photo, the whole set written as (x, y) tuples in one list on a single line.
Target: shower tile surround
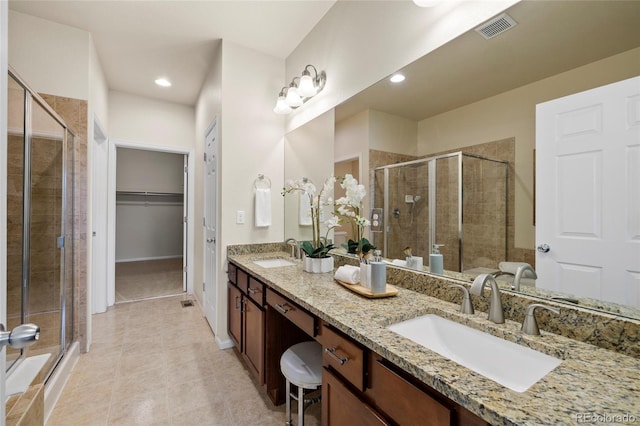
[(591, 378)]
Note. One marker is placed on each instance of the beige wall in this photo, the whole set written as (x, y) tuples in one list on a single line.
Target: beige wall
[(512, 114), (208, 106), (307, 156), (355, 50), (51, 57), (250, 142), (149, 121)]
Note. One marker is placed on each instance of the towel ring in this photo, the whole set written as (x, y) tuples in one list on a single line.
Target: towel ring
[(262, 181)]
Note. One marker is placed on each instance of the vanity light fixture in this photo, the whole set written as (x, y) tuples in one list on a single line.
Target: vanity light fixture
[(300, 90), (163, 82), (397, 78)]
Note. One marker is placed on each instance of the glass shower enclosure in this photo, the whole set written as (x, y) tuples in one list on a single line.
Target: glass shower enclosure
[(39, 226), (457, 200)]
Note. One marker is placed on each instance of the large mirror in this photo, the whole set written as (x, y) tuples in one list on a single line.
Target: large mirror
[(479, 96)]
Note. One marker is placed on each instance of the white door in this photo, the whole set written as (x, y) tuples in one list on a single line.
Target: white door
[(185, 216), (588, 193), (210, 194), (99, 250)]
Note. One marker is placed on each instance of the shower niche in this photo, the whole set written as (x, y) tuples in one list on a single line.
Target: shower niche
[(40, 239), (456, 200)]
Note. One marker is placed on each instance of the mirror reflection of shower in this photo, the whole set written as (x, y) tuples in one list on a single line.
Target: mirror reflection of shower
[(456, 199), (411, 200)]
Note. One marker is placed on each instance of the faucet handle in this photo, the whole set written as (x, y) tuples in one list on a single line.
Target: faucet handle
[(466, 307), (530, 324)]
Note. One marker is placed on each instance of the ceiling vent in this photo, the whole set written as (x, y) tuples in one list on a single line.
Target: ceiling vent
[(496, 26)]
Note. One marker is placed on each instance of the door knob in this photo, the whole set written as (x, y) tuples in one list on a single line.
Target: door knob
[(20, 337), (544, 248)]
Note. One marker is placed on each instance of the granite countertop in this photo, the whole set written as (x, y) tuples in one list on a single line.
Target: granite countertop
[(591, 384)]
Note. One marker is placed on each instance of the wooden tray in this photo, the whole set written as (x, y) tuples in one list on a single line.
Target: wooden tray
[(366, 292)]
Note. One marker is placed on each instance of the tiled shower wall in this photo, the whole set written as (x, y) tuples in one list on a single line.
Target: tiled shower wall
[(74, 113)]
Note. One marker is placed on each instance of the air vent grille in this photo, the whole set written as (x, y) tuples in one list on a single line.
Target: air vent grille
[(496, 26)]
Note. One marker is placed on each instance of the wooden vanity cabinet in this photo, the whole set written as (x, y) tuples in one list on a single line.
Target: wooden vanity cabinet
[(246, 319), (234, 314), (253, 334), (358, 382), (342, 406)]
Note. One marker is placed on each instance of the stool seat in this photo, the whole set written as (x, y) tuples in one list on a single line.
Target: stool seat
[(301, 364)]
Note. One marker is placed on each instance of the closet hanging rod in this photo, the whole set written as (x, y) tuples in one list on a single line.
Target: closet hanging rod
[(165, 194)]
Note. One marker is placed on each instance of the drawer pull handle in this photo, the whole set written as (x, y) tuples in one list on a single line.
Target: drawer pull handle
[(252, 290), (237, 304), (281, 307), (332, 353)]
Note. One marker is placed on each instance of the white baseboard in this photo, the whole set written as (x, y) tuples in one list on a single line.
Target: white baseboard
[(224, 343), (141, 259), (56, 383)]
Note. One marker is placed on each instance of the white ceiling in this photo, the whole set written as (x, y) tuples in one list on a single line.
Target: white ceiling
[(138, 41), (551, 37)]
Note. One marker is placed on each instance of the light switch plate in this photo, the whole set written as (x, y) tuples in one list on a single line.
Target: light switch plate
[(240, 216)]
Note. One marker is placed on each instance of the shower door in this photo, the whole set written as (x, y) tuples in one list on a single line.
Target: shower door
[(39, 278)]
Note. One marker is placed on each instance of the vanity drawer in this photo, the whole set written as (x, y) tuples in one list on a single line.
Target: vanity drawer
[(242, 280), (255, 290), (232, 272), (303, 319), (343, 355), (403, 401)]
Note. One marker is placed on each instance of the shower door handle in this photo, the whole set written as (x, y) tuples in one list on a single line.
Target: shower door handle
[(20, 337)]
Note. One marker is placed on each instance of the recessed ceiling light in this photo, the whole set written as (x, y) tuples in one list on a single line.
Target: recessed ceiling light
[(163, 82), (397, 78)]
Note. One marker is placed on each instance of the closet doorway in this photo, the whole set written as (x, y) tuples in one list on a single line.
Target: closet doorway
[(150, 224)]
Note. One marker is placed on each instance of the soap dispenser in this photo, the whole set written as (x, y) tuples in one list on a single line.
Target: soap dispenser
[(435, 260), (378, 274)]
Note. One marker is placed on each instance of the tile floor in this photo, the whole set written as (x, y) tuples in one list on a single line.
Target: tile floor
[(148, 278), (154, 362)]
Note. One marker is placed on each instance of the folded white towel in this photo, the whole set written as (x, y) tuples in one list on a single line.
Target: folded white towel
[(511, 267), (263, 207), (398, 262), (348, 274), (304, 210)]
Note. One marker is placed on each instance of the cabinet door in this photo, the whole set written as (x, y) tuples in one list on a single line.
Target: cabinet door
[(341, 407), (253, 344), (234, 315)]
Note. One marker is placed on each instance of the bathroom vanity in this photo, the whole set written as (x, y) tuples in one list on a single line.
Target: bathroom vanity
[(372, 375)]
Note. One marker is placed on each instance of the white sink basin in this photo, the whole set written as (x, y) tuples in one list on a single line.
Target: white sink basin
[(514, 366), (273, 263)]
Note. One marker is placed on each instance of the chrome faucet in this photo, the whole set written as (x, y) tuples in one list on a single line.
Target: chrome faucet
[(530, 325), (495, 306), (519, 274), (465, 307), (295, 247)]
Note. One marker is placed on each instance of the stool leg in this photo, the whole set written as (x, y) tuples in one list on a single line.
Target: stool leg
[(287, 420), (300, 406)]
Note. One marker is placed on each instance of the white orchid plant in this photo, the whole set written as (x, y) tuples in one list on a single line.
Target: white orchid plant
[(318, 247), (350, 208)]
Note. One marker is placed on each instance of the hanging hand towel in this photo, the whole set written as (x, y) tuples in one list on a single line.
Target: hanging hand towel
[(304, 210), (263, 207)]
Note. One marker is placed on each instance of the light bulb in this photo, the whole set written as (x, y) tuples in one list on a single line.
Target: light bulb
[(293, 98), (281, 106), (306, 87)]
